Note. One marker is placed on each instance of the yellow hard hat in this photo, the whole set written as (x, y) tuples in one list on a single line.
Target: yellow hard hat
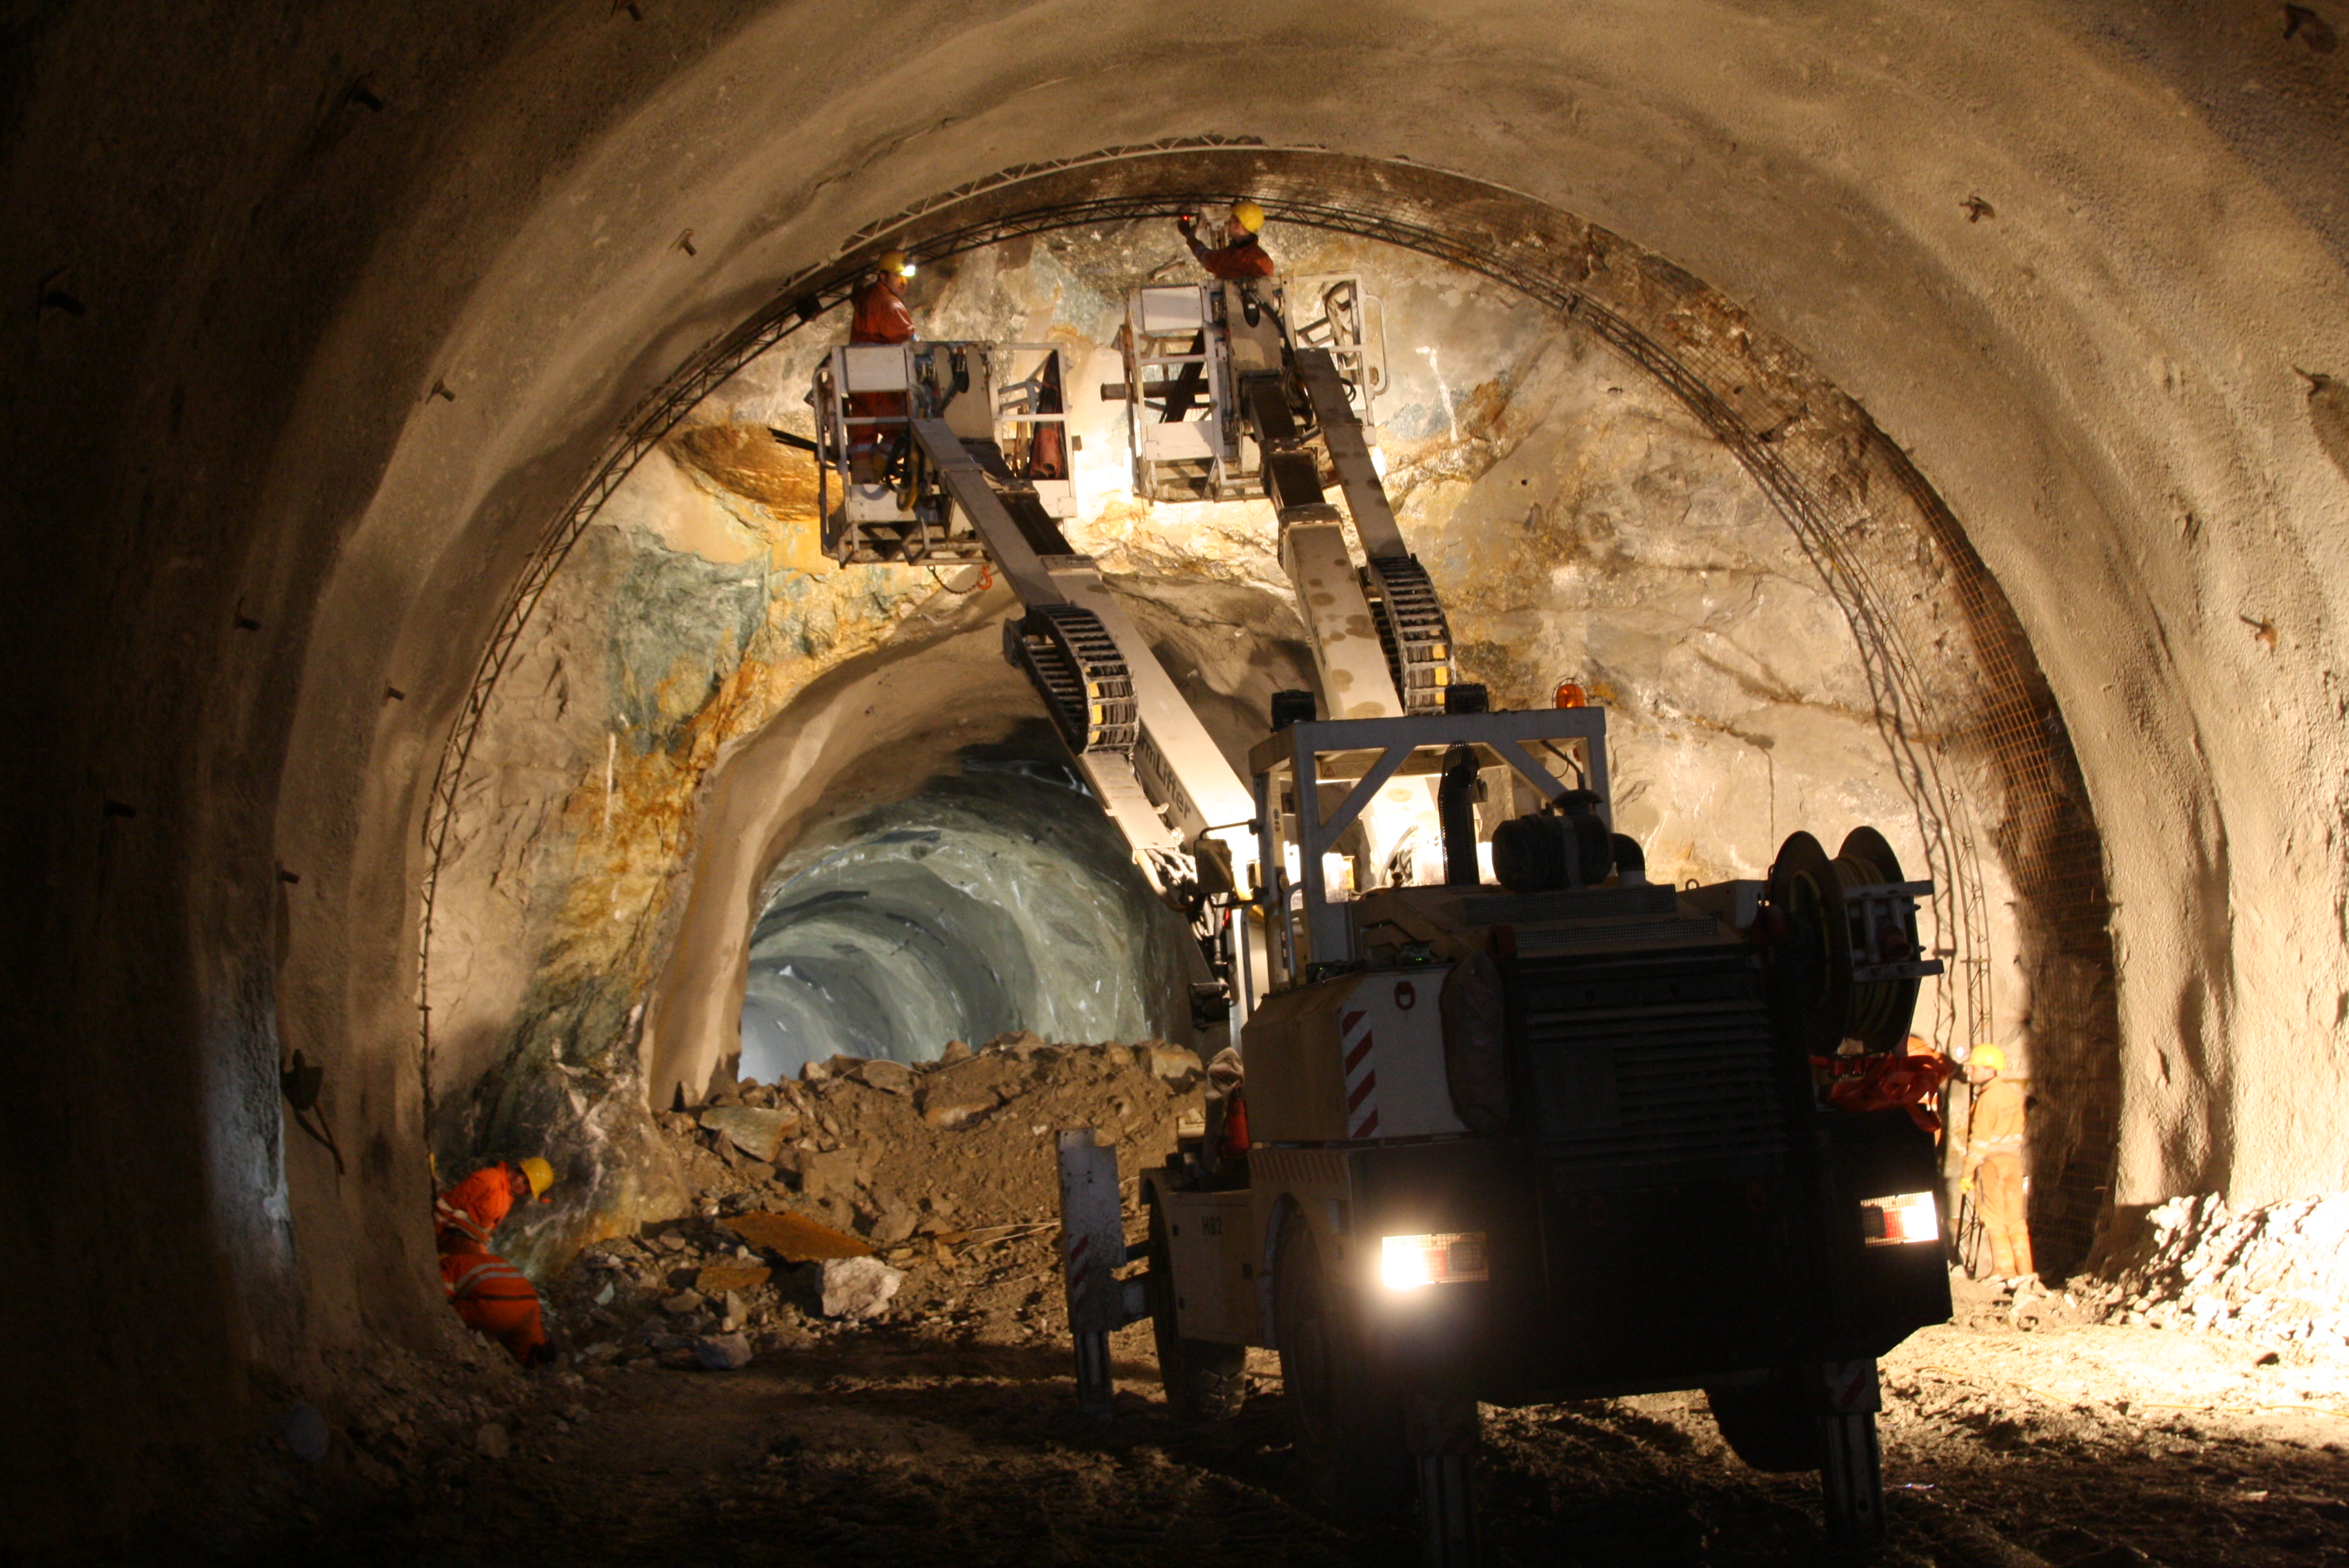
[(1987, 1056), (896, 262), (1248, 215), (540, 1174)]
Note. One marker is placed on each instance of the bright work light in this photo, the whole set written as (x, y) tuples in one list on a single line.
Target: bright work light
[(1451, 1257), (1903, 1217)]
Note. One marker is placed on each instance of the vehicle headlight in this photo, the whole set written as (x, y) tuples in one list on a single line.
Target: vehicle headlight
[(1903, 1217), (1449, 1257)]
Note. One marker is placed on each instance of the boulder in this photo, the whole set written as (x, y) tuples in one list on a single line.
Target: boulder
[(856, 1288), (683, 1301), (491, 1443), (797, 1239), (756, 1132), (956, 1051), (890, 1078), (1171, 1064), (833, 1173), (306, 1433), (722, 1352), (949, 1116)]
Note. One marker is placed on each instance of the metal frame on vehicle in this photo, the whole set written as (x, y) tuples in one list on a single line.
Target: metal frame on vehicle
[(1308, 922)]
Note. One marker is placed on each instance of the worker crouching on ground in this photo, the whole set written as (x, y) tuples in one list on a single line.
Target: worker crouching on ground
[(495, 1298), (490, 1294), (1242, 254), (1993, 1162), (878, 314)]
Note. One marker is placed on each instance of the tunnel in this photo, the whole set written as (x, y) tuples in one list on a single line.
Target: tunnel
[(442, 738)]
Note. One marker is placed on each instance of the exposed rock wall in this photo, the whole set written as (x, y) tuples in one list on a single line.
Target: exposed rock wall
[(1580, 521)]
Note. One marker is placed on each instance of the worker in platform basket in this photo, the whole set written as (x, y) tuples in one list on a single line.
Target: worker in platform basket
[(879, 303), (878, 314), (1242, 254), (1993, 1154)]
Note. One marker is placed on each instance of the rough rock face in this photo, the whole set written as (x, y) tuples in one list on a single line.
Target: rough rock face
[(2278, 1271), (1579, 522)]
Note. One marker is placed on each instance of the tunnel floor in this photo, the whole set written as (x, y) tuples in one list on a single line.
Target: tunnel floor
[(2008, 1445)]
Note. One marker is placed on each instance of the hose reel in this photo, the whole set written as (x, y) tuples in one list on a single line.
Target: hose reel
[(1849, 960)]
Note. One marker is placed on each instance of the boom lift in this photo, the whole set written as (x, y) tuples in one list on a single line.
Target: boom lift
[(946, 452), (1566, 1136)]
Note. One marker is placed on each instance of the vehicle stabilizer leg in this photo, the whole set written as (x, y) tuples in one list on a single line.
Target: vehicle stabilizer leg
[(1852, 1480), (1442, 1435), (1092, 1248)]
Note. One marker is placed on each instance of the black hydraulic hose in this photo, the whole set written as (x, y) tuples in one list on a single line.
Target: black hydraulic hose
[(1456, 809)]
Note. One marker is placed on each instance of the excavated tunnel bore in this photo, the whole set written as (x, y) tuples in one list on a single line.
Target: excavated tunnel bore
[(1943, 655), (959, 913)]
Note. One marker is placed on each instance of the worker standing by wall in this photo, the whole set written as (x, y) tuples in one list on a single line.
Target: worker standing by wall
[(1993, 1154), (879, 306), (490, 1294)]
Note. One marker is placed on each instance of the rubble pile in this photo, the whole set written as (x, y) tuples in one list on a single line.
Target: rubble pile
[(924, 1195), (2281, 1272)]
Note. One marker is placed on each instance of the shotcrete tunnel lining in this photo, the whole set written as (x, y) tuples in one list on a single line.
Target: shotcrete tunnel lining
[(1550, 257)]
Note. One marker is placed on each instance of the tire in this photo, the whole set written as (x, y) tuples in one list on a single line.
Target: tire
[(1771, 1425), (1345, 1419), (1204, 1380)]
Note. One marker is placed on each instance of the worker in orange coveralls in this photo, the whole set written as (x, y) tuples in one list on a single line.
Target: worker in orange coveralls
[(1242, 254), (1241, 258), (494, 1298), (467, 1213), (1992, 1152), (490, 1294), (879, 305), (878, 314)]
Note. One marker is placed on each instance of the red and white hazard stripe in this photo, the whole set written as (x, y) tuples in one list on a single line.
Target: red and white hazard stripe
[(1354, 1043)]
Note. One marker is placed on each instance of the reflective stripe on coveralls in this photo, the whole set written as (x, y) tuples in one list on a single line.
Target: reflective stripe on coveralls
[(495, 1298)]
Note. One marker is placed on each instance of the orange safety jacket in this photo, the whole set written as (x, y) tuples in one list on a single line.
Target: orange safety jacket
[(494, 1298), (466, 1214), (1241, 259), (881, 316), (1996, 1126)]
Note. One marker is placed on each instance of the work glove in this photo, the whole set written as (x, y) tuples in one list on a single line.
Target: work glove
[(1188, 223), (1966, 1183)]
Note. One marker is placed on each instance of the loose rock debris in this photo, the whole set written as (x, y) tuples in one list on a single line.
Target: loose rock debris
[(942, 1429)]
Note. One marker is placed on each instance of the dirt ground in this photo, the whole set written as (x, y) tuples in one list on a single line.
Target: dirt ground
[(2006, 1447), (944, 1431)]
